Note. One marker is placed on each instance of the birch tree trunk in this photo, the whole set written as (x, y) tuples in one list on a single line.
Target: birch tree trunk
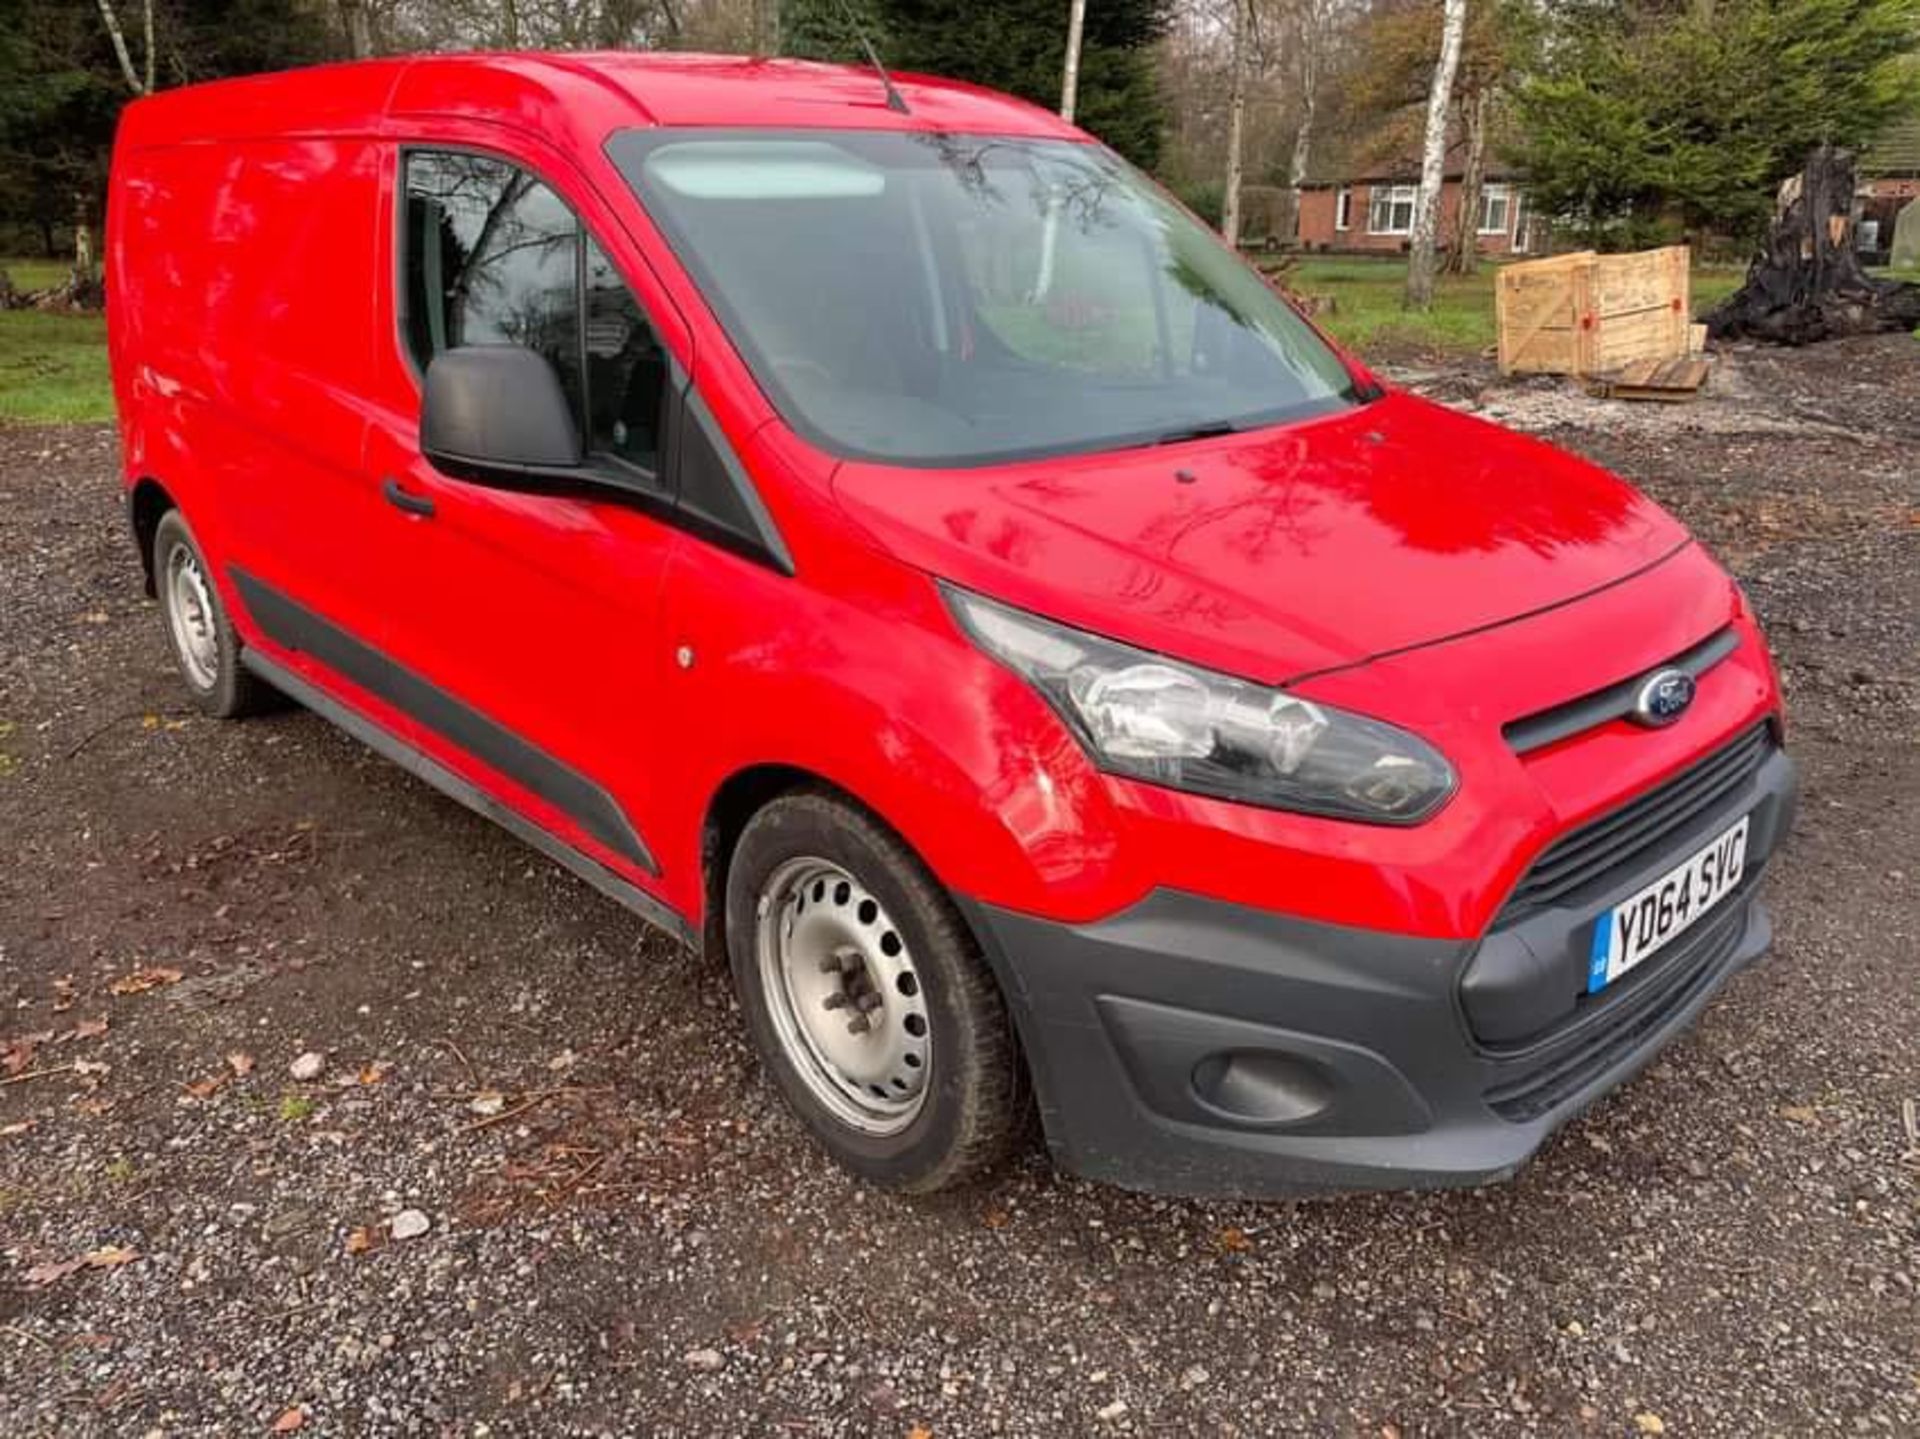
[(1426, 205), (1070, 80), (1302, 140), (83, 258), (1464, 257), (120, 51), (1236, 124)]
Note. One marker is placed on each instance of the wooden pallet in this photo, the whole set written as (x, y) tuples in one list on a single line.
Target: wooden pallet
[(1675, 381)]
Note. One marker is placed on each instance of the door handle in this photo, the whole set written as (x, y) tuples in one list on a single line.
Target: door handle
[(404, 499)]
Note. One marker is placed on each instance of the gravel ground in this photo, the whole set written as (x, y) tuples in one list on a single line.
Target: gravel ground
[(624, 1233)]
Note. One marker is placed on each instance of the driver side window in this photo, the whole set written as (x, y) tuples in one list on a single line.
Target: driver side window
[(491, 256)]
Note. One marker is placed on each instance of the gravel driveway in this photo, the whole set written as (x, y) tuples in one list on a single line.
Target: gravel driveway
[(623, 1231)]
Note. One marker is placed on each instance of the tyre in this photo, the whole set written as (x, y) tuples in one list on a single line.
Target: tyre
[(205, 647), (868, 998)]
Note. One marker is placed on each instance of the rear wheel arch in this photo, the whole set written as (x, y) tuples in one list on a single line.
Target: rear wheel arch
[(147, 504)]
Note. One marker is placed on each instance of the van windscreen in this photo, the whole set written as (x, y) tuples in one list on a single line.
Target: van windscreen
[(937, 299)]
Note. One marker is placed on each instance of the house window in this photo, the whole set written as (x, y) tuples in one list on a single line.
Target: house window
[(1496, 209), (1390, 210), (1343, 209), (1520, 220)]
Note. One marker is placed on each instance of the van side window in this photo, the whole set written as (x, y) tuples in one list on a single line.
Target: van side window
[(494, 257), (626, 367)]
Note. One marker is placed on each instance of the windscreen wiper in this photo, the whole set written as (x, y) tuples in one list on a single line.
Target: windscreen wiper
[(1212, 429)]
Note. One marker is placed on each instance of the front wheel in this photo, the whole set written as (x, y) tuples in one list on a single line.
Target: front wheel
[(868, 998)]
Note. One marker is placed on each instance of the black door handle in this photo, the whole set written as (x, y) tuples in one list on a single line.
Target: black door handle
[(405, 499)]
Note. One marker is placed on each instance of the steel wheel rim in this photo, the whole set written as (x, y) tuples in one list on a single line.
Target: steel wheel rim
[(190, 615), (832, 959)]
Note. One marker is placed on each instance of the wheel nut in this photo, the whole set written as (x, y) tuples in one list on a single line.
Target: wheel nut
[(867, 1002), (836, 1000), (858, 1024)]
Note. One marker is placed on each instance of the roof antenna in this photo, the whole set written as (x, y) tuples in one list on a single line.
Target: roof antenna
[(895, 101)]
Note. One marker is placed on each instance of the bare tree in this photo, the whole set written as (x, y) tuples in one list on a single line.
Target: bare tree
[(1070, 81), (1464, 257), (765, 18), (355, 20), (1426, 206), (1316, 28)]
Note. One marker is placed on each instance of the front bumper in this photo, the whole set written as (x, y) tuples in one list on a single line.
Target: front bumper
[(1191, 1046)]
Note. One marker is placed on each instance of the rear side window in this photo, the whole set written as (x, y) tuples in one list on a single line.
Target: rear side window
[(494, 257)]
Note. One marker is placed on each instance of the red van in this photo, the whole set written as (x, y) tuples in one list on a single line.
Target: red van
[(871, 532)]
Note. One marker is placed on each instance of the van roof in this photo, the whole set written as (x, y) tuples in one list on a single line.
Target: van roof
[(593, 91)]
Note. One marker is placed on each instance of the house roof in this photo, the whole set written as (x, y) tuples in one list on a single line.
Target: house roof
[(1895, 152), (1390, 152)]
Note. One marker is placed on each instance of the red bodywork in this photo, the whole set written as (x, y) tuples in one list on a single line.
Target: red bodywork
[(1396, 559)]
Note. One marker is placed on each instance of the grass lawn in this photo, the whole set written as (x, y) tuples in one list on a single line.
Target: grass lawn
[(35, 274), (52, 367), (1367, 314)]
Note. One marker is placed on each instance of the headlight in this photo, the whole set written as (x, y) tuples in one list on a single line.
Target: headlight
[(1155, 719)]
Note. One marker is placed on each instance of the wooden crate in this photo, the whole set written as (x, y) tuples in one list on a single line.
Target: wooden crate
[(1589, 314)]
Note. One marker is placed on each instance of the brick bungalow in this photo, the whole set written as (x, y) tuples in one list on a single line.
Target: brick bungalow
[(1373, 213), (1890, 168), (1888, 180)]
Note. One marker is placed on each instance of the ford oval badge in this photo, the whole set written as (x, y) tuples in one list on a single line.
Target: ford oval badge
[(1662, 697)]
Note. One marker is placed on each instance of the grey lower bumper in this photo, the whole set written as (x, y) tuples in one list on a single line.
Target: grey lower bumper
[(1195, 1047)]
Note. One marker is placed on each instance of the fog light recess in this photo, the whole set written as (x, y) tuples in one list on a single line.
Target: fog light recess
[(1262, 1086)]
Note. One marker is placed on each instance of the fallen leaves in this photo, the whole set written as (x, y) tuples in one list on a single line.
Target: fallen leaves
[(146, 978), (1647, 1422), (1800, 1113), (110, 1256), (240, 1063), (89, 1029), (359, 1240), (17, 1057), (207, 1088), (1233, 1240), (290, 1420)]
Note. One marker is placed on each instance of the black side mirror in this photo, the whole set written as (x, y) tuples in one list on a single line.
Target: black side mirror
[(496, 412)]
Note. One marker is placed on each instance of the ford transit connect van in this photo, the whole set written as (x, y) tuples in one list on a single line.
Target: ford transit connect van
[(877, 536)]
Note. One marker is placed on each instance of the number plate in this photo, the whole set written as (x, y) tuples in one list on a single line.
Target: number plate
[(1645, 923)]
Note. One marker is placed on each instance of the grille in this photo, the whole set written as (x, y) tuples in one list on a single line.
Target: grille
[(1617, 839), (1628, 1024), (1590, 711)]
